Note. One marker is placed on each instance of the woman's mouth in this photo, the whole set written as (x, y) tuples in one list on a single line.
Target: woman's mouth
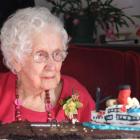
[(49, 77)]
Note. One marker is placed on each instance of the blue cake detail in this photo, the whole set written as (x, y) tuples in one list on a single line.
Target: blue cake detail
[(111, 127)]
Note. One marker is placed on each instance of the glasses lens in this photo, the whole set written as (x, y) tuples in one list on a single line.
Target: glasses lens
[(59, 55), (41, 56)]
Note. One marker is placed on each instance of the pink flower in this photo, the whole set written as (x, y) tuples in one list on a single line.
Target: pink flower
[(76, 21), (110, 34), (138, 32)]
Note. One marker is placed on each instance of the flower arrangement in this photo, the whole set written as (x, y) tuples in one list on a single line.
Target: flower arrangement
[(71, 105)]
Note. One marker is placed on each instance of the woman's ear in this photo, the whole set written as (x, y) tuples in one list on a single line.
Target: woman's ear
[(16, 65)]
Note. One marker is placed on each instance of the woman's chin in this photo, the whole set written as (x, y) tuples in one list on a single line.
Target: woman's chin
[(49, 86)]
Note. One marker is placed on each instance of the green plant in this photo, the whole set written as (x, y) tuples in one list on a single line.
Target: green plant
[(65, 6), (101, 12), (109, 16)]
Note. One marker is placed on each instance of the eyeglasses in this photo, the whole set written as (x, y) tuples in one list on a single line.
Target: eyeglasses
[(42, 56)]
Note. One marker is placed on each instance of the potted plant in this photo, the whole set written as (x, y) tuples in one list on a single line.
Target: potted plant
[(81, 21)]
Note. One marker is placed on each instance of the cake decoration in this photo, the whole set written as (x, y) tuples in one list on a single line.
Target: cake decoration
[(100, 100), (102, 126), (122, 113), (124, 93)]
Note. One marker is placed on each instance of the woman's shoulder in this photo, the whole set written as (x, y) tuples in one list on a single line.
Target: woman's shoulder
[(7, 83), (70, 82), (6, 76), (68, 78)]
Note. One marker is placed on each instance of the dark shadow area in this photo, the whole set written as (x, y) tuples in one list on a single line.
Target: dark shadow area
[(7, 7)]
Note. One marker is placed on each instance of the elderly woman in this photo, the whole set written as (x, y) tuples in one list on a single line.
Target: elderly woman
[(34, 45)]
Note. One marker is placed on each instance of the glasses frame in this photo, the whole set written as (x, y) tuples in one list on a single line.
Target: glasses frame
[(43, 56)]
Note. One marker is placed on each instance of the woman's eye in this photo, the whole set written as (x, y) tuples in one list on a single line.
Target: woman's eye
[(40, 56)]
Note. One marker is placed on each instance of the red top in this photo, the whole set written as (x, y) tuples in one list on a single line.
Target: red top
[(7, 98)]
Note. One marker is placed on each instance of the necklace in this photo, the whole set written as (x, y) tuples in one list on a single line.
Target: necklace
[(17, 108), (47, 102), (48, 106)]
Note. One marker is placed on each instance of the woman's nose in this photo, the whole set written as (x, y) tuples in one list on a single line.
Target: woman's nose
[(50, 64)]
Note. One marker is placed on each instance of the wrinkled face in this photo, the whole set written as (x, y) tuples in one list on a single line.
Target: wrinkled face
[(40, 69)]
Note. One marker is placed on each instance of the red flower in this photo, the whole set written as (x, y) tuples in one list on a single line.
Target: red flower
[(138, 32), (123, 109)]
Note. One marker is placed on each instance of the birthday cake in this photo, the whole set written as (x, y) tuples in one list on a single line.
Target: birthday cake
[(121, 119)]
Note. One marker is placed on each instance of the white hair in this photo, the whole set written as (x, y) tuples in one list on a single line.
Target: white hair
[(16, 33)]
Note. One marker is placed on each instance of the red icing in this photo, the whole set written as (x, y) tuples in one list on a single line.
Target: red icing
[(123, 95)]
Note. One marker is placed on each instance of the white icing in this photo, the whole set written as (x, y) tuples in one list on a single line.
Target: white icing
[(117, 114)]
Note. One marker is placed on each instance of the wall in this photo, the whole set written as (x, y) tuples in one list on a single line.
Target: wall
[(133, 10)]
